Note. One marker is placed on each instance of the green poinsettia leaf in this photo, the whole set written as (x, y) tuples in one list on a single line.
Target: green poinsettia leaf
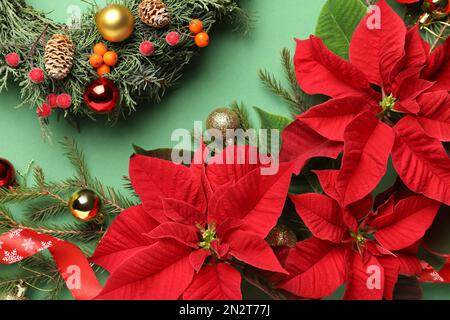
[(272, 121), (164, 154), (337, 22)]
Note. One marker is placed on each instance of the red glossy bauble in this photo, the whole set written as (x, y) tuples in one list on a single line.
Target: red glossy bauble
[(7, 174), (102, 96)]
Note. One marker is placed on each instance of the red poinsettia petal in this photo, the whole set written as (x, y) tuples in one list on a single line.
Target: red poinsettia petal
[(378, 43), (217, 282), (322, 215), (154, 179), (409, 265), (198, 257), (222, 249), (384, 216), (438, 67), (301, 143), (182, 212), (407, 87), (416, 56), (256, 199), (434, 115), (232, 164), (331, 118), (355, 211), (421, 161), (368, 143), (327, 179), (160, 272), (198, 168), (410, 65), (411, 219), (316, 268), (360, 209), (253, 250), (366, 280), (124, 238), (185, 234), (320, 71), (391, 267)]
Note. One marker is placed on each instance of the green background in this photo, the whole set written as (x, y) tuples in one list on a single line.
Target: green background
[(223, 72)]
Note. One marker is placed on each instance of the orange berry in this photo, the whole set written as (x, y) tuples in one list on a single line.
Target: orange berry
[(202, 39), (111, 58), (96, 60), (103, 70), (196, 26), (100, 49)]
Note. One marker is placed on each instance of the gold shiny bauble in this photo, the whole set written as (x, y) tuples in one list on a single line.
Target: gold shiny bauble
[(115, 23), (85, 205), (223, 119)]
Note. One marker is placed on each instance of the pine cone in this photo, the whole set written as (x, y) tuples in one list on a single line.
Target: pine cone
[(59, 55), (154, 13)]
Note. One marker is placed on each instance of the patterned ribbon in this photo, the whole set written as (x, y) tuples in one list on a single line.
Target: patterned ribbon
[(73, 266)]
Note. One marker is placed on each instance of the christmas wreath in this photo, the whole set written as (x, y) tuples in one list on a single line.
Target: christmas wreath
[(109, 58)]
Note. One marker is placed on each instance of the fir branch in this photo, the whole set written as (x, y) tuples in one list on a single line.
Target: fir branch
[(301, 98), (272, 83), (77, 159), (46, 211), (242, 113), (112, 200)]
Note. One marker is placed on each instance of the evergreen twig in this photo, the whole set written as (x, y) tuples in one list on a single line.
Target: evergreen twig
[(46, 202)]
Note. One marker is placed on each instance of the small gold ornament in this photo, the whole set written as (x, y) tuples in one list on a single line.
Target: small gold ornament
[(17, 294), (154, 13), (59, 55), (115, 23), (85, 205), (282, 236), (223, 119)]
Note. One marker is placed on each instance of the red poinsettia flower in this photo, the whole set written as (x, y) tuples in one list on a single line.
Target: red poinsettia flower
[(352, 245), (194, 225), (405, 118)]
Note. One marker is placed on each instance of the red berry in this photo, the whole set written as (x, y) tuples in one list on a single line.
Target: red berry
[(12, 59), (202, 40), (44, 111), (64, 101), (36, 75), (173, 38), (147, 48), (51, 100)]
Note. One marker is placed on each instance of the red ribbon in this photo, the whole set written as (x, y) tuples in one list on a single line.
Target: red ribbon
[(73, 266)]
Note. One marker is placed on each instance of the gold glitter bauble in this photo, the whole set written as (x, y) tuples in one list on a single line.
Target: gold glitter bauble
[(115, 23), (282, 236), (223, 119), (85, 205)]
